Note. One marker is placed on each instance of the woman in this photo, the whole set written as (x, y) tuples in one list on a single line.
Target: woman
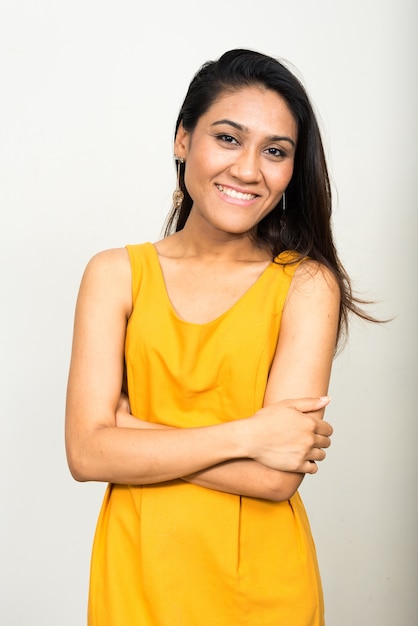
[(225, 331)]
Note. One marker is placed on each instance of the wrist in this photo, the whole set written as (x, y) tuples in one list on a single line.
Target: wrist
[(238, 439)]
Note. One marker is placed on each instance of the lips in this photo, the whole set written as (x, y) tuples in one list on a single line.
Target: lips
[(238, 195)]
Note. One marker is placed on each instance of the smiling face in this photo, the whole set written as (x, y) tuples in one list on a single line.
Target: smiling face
[(239, 159)]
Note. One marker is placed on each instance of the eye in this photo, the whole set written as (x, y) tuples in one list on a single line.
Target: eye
[(275, 152), (227, 138)]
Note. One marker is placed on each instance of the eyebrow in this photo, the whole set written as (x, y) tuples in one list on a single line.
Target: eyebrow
[(245, 129)]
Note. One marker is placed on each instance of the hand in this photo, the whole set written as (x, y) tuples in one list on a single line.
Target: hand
[(290, 435)]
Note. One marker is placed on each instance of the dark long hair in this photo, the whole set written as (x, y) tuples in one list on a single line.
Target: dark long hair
[(308, 196)]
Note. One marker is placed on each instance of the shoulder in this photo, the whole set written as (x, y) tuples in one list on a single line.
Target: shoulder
[(311, 277), (107, 277), (305, 276), (113, 262), (314, 293)]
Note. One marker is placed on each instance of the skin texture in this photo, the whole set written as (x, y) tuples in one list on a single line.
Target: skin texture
[(239, 160)]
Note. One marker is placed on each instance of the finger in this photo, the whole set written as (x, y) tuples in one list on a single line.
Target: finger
[(324, 429), (309, 467), (307, 405), (317, 454), (322, 442)]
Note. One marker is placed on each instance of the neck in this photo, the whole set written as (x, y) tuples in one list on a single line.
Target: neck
[(197, 239)]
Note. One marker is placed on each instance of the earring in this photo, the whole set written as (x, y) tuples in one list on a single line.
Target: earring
[(178, 195), (283, 220)]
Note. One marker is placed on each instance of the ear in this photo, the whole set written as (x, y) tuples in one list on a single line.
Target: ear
[(181, 142)]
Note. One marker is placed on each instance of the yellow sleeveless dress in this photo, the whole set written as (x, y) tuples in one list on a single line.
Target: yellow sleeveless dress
[(176, 554)]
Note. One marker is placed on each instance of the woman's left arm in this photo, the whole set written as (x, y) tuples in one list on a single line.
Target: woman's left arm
[(301, 368)]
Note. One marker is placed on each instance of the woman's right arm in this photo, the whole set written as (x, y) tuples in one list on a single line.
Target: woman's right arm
[(98, 450)]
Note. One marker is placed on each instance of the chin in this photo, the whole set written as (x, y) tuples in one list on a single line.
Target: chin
[(234, 230)]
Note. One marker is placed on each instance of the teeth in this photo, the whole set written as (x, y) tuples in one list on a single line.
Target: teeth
[(232, 193)]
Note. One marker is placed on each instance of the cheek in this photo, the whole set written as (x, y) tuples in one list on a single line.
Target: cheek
[(201, 168), (285, 176), (193, 178)]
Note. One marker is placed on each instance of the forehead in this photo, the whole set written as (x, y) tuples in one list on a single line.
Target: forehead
[(253, 107)]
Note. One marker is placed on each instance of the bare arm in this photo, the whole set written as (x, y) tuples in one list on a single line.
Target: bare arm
[(302, 366), (98, 450), (245, 476)]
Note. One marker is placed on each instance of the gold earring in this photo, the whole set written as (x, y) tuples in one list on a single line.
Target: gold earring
[(178, 195)]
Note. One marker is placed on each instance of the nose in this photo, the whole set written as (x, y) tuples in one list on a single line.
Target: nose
[(246, 166)]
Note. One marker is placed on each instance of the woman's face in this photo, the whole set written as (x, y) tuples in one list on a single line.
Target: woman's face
[(239, 159)]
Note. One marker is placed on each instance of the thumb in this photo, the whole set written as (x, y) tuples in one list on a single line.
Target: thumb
[(306, 405)]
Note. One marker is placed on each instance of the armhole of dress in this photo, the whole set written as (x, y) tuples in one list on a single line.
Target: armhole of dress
[(136, 262), (289, 262), (135, 258)]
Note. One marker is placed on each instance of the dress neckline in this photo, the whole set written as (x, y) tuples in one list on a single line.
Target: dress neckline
[(235, 305)]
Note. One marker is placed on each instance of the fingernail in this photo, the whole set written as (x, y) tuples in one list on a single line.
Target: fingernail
[(325, 398)]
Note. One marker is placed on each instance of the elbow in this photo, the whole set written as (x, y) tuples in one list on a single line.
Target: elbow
[(281, 494), (85, 454), (78, 463), (283, 487), (77, 474), (77, 469)]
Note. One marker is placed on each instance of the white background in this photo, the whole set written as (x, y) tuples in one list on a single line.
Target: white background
[(90, 91)]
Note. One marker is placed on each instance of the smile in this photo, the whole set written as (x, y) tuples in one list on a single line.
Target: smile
[(238, 195)]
